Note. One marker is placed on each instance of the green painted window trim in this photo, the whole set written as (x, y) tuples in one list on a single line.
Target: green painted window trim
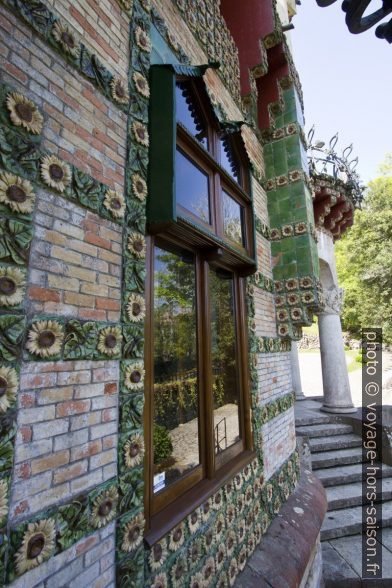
[(161, 201)]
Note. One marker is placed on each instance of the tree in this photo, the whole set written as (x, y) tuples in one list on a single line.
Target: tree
[(364, 259)]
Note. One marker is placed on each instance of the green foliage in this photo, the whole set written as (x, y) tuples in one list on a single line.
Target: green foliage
[(364, 260), (80, 340), (7, 448), (163, 446), (11, 333), (15, 238), (73, 522)]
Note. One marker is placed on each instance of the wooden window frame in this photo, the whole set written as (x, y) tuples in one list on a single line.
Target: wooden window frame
[(168, 507)]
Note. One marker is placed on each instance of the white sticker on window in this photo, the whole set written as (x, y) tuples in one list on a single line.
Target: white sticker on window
[(159, 482)]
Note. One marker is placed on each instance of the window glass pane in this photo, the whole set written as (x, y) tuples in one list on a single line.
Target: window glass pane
[(187, 113), (176, 404), (229, 160), (232, 218), (224, 360), (192, 190)]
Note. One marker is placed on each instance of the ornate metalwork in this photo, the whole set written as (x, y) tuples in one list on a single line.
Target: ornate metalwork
[(358, 23), (326, 161)]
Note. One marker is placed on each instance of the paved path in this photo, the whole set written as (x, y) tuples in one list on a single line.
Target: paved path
[(312, 382)]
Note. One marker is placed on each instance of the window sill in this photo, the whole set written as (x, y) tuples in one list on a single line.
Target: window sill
[(162, 522)]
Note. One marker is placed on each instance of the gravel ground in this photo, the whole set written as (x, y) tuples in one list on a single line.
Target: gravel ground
[(312, 382)]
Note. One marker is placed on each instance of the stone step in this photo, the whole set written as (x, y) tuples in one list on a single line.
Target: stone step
[(334, 442), (341, 523), (324, 430), (336, 571), (342, 562), (326, 459), (311, 420), (349, 473), (348, 495)]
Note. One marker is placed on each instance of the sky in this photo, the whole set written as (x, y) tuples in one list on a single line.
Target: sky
[(347, 83)]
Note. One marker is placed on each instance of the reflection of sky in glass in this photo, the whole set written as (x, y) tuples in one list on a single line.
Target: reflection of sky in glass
[(192, 187), (232, 218), (228, 159), (186, 115)]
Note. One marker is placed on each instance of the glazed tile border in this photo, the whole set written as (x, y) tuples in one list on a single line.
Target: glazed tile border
[(269, 411), (247, 498), (262, 228), (293, 230), (20, 155), (224, 531), (273, 345), (262, 282)]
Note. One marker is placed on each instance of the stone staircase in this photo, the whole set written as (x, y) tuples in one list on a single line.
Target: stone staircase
[(336, 456)]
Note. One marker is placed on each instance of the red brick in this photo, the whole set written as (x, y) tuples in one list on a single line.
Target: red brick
[(23, 471), (100, 12), (43, 294), (91, 226), (87, 450), (59, 117), (87, 313), (111, 388), (103, 138), (26, 433), (64, 97), (85, 546), (69, 472), (96, 240), (71, 407), (21, 508), (107, 303), (96, 100), (109, 414), (82, 156), (16, 72), (27, 400)]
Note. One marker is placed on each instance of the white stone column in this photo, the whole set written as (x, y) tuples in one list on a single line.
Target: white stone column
[(337, 394), (295, 372)]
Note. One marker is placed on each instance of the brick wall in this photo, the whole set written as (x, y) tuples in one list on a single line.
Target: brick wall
[(75, 262), (264, 313), (103, 26), (80, 126), (90, 562), (67, 432), (274, 370), (278, 441)]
